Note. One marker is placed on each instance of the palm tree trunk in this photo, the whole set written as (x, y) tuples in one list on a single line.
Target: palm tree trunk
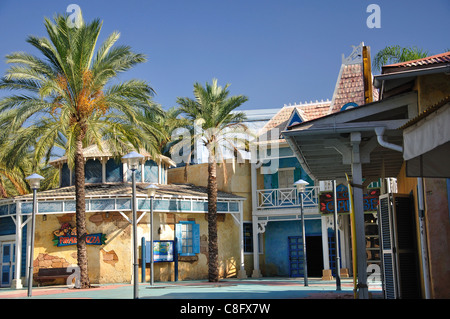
[(213, 250), (81, 214)]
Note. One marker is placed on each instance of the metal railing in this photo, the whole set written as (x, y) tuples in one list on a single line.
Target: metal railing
[(286, 197)]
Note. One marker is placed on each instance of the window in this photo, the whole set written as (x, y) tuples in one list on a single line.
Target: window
[(188, 238), (248, 238), (286, 178)]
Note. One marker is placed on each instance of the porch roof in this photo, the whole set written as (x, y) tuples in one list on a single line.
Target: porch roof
[(324, 146), (176, 198)]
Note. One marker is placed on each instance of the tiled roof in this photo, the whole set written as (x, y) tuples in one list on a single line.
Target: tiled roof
[(349, 87), (124, 189), (434, 59), (307, 112), (93, 151)]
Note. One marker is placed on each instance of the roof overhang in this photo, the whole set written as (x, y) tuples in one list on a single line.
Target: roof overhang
[(325, 146), (427, 143)]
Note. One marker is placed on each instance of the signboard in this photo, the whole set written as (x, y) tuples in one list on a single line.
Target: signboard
[(326, 200), (163, 251), (67, 235)]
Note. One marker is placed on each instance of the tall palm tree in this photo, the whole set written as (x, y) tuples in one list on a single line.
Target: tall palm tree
[(70, 101), (213, 107), (159, 124), (397, 54)]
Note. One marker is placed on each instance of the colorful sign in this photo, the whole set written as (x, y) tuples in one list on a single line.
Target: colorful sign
[(326, 200), (67, 235), (163, 251)]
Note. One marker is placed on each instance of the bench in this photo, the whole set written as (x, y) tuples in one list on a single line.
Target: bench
[(46, 274)]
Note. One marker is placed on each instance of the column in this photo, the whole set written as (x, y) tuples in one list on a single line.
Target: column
[(256, 272), (355, 139), (242, 274), (326, 272), (17, 281)]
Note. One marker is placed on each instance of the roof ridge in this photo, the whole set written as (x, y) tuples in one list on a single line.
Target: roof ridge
[(440, 55)]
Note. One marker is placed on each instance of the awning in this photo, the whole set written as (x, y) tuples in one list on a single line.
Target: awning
[(427, 143)]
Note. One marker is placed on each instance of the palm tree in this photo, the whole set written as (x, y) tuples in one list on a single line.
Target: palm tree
[(158, 126), (71, 101), (397, 54), (213, 108)]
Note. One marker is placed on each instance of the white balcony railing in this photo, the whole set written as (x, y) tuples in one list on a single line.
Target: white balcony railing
[(286, 198)]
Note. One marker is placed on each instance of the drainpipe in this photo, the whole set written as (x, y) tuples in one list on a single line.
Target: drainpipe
[(421, 206), (380, 134)]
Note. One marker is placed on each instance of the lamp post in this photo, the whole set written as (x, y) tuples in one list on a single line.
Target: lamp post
[(151, 191), (35, 181), (301, 186), (133, 160)]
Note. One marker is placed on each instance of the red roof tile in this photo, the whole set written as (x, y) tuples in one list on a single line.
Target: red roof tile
[(434, 59)]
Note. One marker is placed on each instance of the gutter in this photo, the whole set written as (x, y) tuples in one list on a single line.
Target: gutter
[(380, 134), (379, 79)]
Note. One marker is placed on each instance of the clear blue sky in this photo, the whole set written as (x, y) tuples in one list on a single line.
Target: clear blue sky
[(275, 52)]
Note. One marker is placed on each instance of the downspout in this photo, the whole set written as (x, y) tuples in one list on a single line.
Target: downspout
[(421, 206), (380, 134)]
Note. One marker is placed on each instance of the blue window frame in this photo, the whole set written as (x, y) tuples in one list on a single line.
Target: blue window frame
[(188, 238)]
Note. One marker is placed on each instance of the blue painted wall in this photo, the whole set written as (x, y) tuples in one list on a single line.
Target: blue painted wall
[(276, 243), (8, 227), (271, 180)]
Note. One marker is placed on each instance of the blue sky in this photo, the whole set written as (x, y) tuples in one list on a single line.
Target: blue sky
[(275, 52)]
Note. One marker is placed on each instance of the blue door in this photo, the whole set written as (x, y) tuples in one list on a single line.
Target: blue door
[(7, 259), (295, 244)]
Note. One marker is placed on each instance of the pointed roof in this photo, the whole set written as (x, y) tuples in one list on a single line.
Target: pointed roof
[(419, 63), (349, 88), (94, 152), (289, 114)]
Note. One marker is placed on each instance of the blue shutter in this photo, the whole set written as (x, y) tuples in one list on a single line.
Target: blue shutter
[(196, 238), (179, 238)]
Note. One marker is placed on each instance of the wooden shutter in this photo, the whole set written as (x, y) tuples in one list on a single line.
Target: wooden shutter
[(387, 247), (196, 238), (179, 238), (398, 244)]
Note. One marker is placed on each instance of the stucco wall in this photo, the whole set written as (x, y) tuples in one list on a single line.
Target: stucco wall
[(238, 182), (109, 263)]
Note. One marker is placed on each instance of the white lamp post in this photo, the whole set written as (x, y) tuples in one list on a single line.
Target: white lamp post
[(151, 191), (35, 181), (133, 160), (301, 187)]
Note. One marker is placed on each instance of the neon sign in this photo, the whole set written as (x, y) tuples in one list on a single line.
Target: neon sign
[(326, 200), (67, 235)]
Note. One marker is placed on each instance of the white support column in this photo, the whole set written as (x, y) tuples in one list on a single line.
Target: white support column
[(159, 172), (357, 181), (125, 171), (103, 160), (256, 272), (241, 274), (17, 281), (326, 256)]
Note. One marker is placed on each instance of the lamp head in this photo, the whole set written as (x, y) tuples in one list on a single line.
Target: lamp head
[(133, 159), (301, 185), (151, 190), (34, 180)]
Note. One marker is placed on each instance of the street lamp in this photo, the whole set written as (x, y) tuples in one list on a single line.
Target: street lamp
[(133, 160), (151, 191), (301, 187), (35, 181)]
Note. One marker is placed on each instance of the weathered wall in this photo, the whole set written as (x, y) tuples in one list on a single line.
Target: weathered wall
[(238, 182), (109, 263)]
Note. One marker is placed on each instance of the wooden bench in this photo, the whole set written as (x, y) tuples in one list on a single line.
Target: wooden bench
[(46, 274)]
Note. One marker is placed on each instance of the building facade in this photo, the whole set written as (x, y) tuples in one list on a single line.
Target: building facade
[(178, 212)]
